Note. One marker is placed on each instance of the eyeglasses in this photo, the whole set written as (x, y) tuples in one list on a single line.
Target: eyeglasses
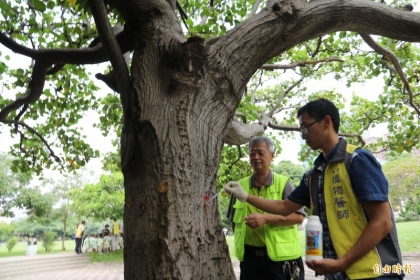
[(304, 128)]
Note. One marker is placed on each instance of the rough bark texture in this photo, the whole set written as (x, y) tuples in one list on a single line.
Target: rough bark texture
[(182, 100)]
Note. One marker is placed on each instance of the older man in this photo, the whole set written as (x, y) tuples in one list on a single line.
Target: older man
[(266, 245)]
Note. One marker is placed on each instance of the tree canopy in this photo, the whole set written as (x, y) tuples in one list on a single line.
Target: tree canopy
[(61, 37)]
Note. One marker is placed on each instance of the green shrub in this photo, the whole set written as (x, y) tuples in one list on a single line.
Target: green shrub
[(48, 240), (410, 216), (11, 243)]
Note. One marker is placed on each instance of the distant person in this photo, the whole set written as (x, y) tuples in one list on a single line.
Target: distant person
[(347, 189), (105, 231), (107, 242), (115, 235), (29, 245), (79, 237), (100, 241)]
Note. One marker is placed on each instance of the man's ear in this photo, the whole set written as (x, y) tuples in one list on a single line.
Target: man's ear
[(328, 120)]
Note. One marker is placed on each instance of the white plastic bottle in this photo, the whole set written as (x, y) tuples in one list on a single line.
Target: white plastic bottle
[(313, 239)]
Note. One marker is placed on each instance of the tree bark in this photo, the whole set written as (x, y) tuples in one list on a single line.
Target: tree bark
[(174, 148), (171, 143)]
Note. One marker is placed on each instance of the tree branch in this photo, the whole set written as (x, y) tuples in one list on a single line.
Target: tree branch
[(112, 49), (254, 8), (56, 158), (368, 39), (236, 160), (35, 89), (279, 27), (205, 18), (280, 99), (91, 55), (271, 67), (295, 128), (183, 14)]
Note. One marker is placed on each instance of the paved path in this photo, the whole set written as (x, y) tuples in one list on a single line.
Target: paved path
[(115, 271)]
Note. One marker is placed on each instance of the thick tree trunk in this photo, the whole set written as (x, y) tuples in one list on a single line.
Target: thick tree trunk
[(170, 153)]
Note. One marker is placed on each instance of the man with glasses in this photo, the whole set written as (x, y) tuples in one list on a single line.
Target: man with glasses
[(347, 189)]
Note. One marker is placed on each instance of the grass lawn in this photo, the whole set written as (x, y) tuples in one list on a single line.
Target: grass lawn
[(20, 248), (408, 236), (408, 233)]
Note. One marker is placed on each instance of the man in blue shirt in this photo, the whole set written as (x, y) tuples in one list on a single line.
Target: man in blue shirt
[(347, 189)]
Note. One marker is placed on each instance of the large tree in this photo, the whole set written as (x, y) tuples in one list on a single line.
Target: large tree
[(403, 174), (180, 97)]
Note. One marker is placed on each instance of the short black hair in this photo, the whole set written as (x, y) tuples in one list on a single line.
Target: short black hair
[(320, 108)]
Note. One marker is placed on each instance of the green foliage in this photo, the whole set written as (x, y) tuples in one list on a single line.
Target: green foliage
[(233, 165), (102, 200), (408, 216), (11, 243), (293, 171), (403, 174), (15, 191), (48, 240), (5, 231), (67, 94)]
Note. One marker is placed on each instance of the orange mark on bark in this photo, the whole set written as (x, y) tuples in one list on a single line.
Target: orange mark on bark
[(163, 187)]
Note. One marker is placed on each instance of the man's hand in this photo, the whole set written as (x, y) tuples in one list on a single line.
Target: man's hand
[(255, 220), (236, 190), (326, 266)]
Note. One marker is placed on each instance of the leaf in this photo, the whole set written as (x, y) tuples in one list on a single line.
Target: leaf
[(39, 5)]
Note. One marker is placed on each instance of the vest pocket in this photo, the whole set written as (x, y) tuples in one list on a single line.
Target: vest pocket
[(287, 246), (239, 213)]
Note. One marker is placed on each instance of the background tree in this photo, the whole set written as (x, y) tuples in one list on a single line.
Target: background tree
[(11, 243), (5, 231), (102, 200), (12, 186), (403, 174), (48, 240), (291, 170), (62, 192), (178, 98)]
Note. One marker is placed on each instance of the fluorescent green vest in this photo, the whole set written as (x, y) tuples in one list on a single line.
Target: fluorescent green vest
[(282, 242)]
